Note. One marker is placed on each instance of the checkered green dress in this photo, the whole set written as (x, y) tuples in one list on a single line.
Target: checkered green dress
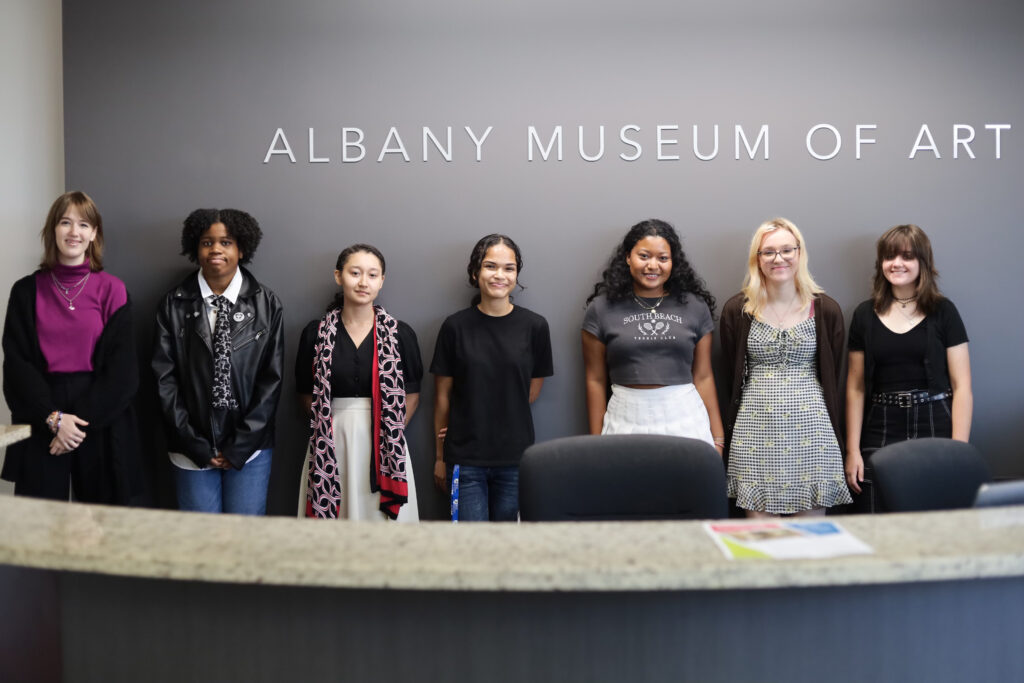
[(784, 456)]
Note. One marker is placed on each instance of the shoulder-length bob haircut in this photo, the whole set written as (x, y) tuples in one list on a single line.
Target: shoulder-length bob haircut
[(87, 208), (911, 241), (753, 284)]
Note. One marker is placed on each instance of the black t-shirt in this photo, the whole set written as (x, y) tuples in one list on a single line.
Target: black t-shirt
[(491, 361), (899, 358), (352, 367), (943, 329)]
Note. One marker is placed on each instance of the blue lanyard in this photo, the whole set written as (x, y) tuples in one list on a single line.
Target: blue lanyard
[(455, 493)]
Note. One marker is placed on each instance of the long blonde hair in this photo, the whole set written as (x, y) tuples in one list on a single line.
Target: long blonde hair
[(754, 291)]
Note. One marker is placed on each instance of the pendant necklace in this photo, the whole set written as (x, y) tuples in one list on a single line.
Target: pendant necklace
[(644, 306), (781, 319), (65, 292), (913, 314), (903, 302)]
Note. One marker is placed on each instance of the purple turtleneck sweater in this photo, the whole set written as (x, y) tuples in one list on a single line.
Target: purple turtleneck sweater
[(68, 337)]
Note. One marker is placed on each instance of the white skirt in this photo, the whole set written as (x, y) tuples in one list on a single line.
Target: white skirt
[(352, 445), (675, 410)]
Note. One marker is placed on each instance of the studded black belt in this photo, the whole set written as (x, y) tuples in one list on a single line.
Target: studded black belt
[(906, 399)]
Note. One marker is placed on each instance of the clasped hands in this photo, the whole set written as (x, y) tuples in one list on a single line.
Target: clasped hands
[(68, 435), (220, 462)]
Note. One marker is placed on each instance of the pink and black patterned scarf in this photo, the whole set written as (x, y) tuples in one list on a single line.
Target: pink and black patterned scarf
[(388, 471)]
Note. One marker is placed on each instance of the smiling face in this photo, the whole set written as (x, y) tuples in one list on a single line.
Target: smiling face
[(902, 270), (218, 253), (775, 267), (73, 235), (497, 275), (650, 265), (360, 278)]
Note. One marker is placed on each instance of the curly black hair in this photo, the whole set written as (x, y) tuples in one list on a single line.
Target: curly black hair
[(476, 260), (617, 282), (242, 227)]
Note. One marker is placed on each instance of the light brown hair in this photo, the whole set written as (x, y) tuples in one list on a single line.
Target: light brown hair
[(90, 213)]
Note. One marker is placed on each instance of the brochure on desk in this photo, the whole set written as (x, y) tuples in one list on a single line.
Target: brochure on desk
[(784, 540)]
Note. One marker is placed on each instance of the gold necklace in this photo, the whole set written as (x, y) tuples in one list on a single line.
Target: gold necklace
[(645, 306)]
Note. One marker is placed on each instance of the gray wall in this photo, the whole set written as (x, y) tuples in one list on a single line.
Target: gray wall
[(32, 158), (173, 106)]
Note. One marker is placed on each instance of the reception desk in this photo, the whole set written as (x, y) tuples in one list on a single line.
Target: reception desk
[(160, 595)]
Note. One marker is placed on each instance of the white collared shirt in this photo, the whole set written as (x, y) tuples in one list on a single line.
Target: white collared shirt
[(231, 293)]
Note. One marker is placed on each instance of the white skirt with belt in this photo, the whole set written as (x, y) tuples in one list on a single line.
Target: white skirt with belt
[(352, 418)]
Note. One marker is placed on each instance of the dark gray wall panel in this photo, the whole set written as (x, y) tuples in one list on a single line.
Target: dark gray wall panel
[(171, 106), (177, 631), (30, 625)]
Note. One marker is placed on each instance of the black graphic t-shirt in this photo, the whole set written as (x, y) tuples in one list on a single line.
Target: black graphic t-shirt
[(649, 347)]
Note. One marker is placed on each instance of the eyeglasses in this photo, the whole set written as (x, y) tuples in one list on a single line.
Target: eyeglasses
[(787, 253)]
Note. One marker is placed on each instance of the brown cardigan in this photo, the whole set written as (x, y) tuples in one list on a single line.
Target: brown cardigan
[(831, 336)]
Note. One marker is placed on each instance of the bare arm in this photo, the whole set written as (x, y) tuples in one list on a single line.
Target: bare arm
[(442, 410), (959, 362), (535, 386), (704, 381), (596, 374), (854, 419), (412, 402)]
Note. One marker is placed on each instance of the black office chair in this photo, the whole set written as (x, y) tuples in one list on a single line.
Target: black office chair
[(1000, 493), (929, 474), (621, 477)]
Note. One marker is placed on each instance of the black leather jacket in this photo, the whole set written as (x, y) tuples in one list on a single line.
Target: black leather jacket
[(183, 363)]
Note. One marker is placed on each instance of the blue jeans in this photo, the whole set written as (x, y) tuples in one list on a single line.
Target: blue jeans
[(242, 492), (488, 493)]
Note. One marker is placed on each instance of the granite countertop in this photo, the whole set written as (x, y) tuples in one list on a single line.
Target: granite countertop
[(596, 556), (13, 433)]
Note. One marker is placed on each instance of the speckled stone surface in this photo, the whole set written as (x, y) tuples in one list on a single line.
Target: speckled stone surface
[(13, 433), (635, 556)]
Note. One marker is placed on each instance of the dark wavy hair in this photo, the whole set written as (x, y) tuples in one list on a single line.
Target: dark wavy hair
[(242, 227), (899, 240), (339, 297), (617, 282), (476, 260)]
